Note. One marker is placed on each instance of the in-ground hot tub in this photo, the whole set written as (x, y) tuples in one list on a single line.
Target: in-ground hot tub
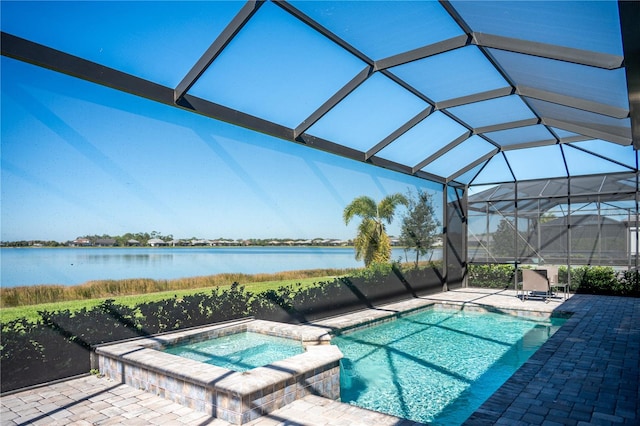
[(239, 351), (237, 397)]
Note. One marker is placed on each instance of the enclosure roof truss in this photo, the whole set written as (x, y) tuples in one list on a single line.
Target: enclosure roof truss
[(472, 91)]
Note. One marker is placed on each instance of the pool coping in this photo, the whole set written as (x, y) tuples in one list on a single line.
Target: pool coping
[(372, 316)]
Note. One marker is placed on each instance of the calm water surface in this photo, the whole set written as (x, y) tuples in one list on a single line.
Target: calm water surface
[(239, 351), (438, 366), (70, 266)]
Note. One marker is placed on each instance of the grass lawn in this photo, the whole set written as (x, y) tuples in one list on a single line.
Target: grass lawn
[(30, 312)]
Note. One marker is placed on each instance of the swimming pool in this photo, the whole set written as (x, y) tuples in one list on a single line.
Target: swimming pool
[(437, 366), (240, 351)]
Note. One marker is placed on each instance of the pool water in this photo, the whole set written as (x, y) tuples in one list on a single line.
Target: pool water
[(240, 351), (437, 366)]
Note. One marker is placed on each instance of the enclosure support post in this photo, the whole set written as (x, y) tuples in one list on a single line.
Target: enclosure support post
[(486, 233), (515, 238), (637, 213), (569, 232), (445, 237), (600, 227), (464, 208), (539, 226)]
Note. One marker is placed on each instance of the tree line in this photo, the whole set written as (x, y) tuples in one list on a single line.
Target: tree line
[(143, 239), (118, 240)]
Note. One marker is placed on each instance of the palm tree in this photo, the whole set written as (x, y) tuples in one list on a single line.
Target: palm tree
[(372, 243)]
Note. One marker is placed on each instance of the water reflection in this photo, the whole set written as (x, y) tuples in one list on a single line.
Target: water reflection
[(125, 259)]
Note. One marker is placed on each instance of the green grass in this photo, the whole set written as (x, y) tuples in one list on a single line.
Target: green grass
[(30, 312)]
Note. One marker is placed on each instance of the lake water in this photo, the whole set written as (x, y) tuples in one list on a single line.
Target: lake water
[(70, 266)]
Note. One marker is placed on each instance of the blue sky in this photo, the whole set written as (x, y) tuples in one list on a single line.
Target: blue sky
[(82, 159)]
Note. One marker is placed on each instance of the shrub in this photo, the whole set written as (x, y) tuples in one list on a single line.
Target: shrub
[(374, 272), (492, 276), (591, 279), (629, 283), (89, 327)]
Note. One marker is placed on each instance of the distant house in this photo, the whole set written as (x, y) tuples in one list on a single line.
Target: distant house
[(156, 242), (80, 242), (133, 243), (105, 242)]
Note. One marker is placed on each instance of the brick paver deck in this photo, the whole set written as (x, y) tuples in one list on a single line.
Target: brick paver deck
[(588, 373)]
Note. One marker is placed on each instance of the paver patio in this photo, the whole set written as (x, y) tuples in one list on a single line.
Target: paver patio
[(587, 373)]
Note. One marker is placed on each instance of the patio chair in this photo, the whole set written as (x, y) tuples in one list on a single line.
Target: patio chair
[(554, 282), (535, 283)]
